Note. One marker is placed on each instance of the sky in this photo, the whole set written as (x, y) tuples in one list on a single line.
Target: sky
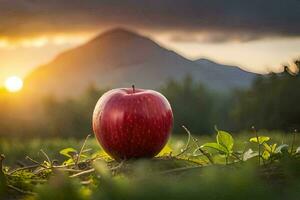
[(256, 35)]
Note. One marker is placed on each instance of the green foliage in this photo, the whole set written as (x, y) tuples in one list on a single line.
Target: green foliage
[(226, 140), (260, 139), (269, 150), (224, 144), (271, 103), (70, 117), (68, 152), (216, 146), (175, 173), (48, 116), (192, 105), (71, 153)]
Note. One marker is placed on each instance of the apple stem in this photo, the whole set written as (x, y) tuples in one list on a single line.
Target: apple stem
[(133, 89)]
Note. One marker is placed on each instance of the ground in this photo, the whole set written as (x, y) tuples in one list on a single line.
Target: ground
[(229, 167)]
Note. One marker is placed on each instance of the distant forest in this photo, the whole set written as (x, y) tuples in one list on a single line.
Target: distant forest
[(272, 102)]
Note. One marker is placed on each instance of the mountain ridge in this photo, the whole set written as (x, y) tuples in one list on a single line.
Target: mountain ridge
[(120, 57)]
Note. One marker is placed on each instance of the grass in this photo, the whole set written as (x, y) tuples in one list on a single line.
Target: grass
[(38, 169), (17, 149)]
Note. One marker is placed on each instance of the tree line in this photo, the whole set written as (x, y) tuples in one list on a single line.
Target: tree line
[(272, 102)]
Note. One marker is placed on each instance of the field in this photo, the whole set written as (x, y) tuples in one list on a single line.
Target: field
[(221, 77), (188, 167)]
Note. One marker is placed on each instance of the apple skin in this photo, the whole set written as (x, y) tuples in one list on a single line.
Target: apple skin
[(132, 123)]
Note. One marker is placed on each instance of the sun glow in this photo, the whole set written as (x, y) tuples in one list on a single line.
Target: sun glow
[(13, 84)]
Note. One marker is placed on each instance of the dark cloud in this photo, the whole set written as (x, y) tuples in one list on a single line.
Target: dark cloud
[(218, 20)]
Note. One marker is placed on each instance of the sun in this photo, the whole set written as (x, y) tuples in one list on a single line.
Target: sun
[(14, 84)]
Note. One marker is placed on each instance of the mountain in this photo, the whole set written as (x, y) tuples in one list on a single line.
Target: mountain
[(120, 58), (238, 77)]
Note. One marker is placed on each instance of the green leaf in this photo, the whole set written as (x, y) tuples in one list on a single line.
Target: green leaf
[(225, 139), (267, 147), (273, 147), (261, 139), (69, 161), (101, 154), (266, 155), (215, 146), (270, 148), (68, 152), (83, 156)]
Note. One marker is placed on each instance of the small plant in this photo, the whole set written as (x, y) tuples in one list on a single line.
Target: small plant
[(268, 152), (224, 144)]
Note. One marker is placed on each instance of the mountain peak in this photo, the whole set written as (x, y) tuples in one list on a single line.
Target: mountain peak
[(120, 31), (117, 33), (120, 57)]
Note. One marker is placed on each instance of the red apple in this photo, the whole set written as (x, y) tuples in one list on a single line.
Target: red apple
[(132, 123)]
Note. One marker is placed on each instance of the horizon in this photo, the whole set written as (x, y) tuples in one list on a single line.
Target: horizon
[(24, 72), (233, 33)]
